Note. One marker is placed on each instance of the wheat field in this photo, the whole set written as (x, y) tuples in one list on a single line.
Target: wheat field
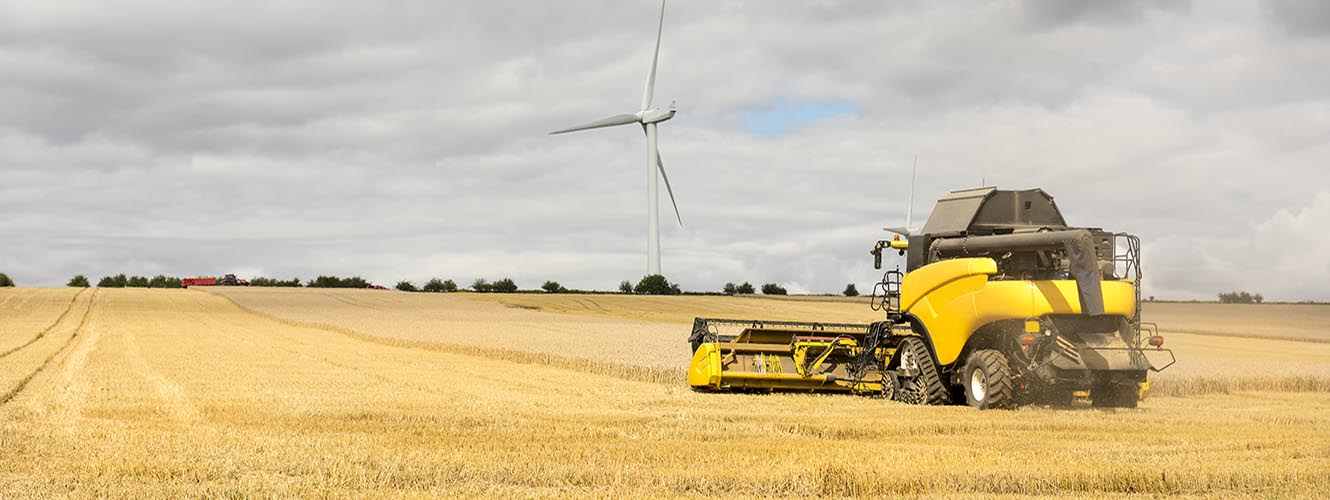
[(353, 394), (1308, 322), (645, 335)]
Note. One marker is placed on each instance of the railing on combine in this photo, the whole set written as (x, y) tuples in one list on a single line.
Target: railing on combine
[(887, 293), (1127, 266)]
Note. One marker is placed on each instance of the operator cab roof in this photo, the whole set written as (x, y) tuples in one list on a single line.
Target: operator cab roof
[(989, 210)]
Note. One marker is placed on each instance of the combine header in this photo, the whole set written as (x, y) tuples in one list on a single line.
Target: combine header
[(1003, 305)]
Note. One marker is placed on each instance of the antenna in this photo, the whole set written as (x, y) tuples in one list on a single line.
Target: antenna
[(906, 230), (909, 211)]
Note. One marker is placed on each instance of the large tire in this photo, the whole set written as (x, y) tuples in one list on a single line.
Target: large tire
[(926, 388), (1111, 395), (988, 381)]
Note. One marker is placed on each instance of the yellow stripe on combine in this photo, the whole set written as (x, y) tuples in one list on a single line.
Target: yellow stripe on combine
[(954, 298)]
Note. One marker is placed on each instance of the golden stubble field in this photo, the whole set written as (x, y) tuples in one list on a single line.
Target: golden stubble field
[(644, 337), (175, 393)]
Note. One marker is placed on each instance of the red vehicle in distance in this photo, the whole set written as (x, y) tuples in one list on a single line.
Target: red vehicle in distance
[(206, 281), (227, 280)]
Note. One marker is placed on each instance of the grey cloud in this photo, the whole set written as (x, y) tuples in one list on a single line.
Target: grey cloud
[(1299, 17), (408, 140), (1056, 13)]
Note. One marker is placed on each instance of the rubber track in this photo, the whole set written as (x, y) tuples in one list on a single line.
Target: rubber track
[(8, 396), (937, 391), (1001, 392), (50, 327)]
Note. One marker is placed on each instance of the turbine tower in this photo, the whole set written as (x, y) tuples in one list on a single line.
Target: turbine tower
[(647, 117)]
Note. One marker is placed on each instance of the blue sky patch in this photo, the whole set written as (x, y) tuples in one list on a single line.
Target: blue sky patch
[(782, 115)]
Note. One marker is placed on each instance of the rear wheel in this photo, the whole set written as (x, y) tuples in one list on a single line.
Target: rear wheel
[(922, 384), (988, 381)]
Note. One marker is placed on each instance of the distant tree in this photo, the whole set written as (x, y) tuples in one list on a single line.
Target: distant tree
[(335, 282), (745, 289), (1152, 298), (655, 284), (850, 291), (1258, 298), (162, 281), (1239, 298), (5, 281), (625, 286), (406, 286), (773, 289), (137, 282), (437, 285), (263, 281), (79, 281), (480, 285), (553, 287), (505, 285), (117, 281), (729, 289)]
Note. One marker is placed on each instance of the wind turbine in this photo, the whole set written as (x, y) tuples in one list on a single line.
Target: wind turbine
[(647, 117)]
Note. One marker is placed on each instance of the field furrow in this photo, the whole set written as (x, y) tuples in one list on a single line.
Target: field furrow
[(24, 309), (23, 364)]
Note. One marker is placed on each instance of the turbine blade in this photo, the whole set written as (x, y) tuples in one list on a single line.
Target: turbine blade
[(623, 119), (903, 231), (655, 56), (660, 165)]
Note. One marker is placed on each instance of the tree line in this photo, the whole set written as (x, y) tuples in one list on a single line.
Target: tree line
[(123, 281), (1241, 298), (436, 285), (654, 284)]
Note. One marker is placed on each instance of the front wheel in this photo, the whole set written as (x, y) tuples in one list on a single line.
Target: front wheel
[(988, 381)]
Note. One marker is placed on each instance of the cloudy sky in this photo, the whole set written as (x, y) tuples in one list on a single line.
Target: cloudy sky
[(404, 140)]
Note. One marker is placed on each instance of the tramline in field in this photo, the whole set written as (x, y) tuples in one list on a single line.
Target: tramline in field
[(1002, 304)]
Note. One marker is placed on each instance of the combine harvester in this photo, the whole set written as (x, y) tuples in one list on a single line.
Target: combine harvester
[(1003, 304)]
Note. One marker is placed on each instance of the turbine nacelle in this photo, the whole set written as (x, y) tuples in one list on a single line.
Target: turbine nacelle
[(656, 115)]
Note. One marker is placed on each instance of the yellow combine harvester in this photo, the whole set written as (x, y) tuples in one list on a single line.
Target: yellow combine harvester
[(1003, 305)]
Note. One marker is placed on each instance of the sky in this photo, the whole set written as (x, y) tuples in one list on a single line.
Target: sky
[(408, 139)]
